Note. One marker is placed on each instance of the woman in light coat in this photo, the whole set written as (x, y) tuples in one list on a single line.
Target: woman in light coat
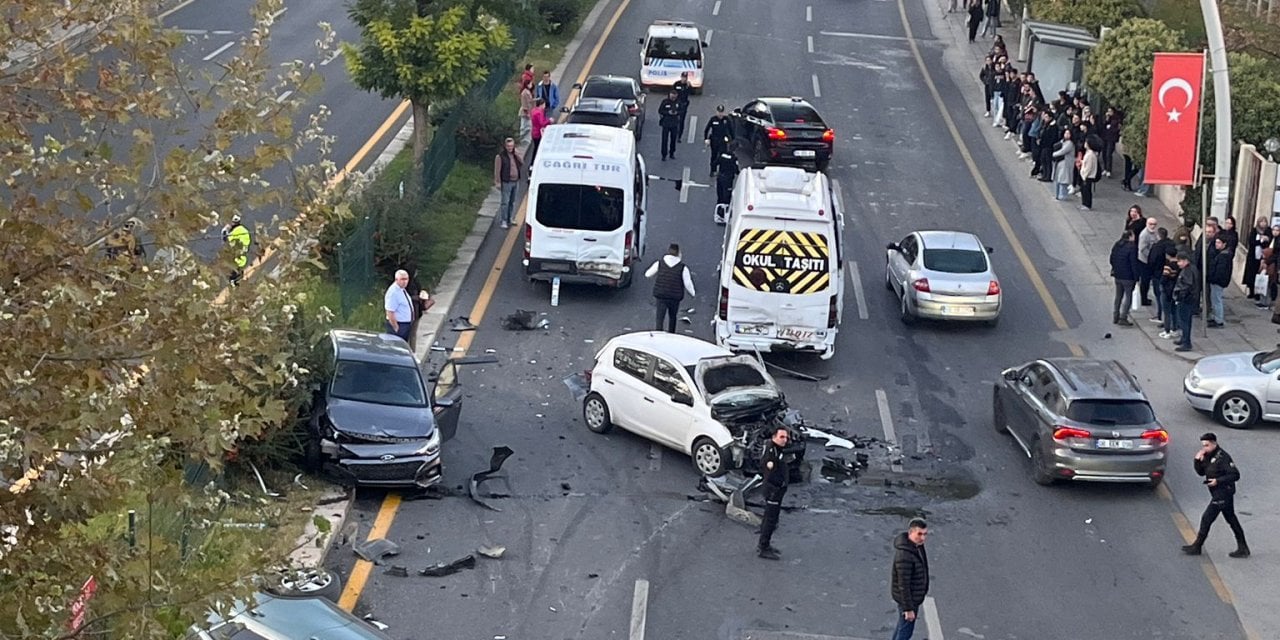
[(526, 107), (1064, 164), (1089, 176)]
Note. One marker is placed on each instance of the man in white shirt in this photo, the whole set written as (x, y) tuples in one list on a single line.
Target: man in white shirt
[(399, 307), (672, 282)]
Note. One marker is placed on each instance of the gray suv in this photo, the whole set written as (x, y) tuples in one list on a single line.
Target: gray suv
[(1081, 419)]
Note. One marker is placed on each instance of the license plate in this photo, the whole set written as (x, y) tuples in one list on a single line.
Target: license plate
[(799, 334), (952, 310), (805, 153), (752, 329), (1106, 443), (556, 266)]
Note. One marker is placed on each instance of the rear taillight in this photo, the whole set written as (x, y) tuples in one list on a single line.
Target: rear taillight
[(1065, 433), (777, 134), (724, 303), (528, 240), (833, 313), (1156, 435), (627, 253), (921, 285), (993, 288), (829, 136)]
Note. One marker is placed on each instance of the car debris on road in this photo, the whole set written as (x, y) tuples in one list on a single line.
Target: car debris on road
[(500, 455)]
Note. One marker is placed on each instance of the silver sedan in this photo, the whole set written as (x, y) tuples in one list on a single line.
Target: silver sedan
[(943, 275), (1239, 389)]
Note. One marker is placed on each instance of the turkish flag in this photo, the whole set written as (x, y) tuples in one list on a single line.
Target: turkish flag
[(1177, 81)]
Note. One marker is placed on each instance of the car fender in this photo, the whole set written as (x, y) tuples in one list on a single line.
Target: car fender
[(705, 426)]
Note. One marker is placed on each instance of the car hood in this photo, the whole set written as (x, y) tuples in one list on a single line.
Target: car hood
[(1229, 365), (380, 421), (736, 401)]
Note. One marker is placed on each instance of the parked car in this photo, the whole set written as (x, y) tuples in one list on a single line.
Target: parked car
[(783, 130), (1239, 389), (943, 275), (301, 609), (602, 111), (690, 395), (376, 421), (1081, 419), (618, 88)]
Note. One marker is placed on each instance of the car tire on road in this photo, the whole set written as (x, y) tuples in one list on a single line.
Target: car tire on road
[(998, 419), (1237, 410), (708, 458), (595, 413), (1039, 472), (305, 583), (904, 312), (888, 280)]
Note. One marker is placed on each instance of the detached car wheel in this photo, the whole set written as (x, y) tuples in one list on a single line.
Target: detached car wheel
[(595, 412), (709, 458), (305, 583), (1237, 410)]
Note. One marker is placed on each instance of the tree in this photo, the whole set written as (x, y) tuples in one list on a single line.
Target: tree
[(129, 384), (1090, 14), (1119, 69), (423, 53), (1255, 94)]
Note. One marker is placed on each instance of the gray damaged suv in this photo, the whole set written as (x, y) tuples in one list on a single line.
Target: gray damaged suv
[(1081, 419)]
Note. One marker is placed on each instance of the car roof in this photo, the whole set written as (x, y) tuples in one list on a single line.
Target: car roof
[(611, 79), (684, 350), (673, 29), (1091, 379), (774, 101), (950, 240), (601, 105), (368, 346)]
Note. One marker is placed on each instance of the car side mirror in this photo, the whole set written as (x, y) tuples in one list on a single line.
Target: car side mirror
[(737, 112), (639, 40), (893, 246), (443, 402), (577, 85), (705, 45), (682, 398), (1010, 374), (564, 109), (990, 250)]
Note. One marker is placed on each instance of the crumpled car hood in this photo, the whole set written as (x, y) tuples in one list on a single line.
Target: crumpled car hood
[(378, 421), (737, 387)]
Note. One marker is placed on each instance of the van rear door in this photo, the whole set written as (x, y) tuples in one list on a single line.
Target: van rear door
[(782, 279), (581, 224)]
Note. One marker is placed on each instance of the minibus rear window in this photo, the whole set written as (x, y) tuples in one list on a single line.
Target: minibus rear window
[(579, 207)]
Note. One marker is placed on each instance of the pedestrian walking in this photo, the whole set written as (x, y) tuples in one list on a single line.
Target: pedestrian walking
[(683, 91), (538, 122), (1088, 176), (1259, 239), (910, 582), (726, 173), (776, 474), (1125, 270), (1064, 165), (526, 109), (993, 18), (716, 135), (671, 280), (975, 18), (1186, 295), (1220, 475), (399, 307), (669, 119), (1221, 263), (237, 236), (549, 92), (508, 168), (1147, 239)]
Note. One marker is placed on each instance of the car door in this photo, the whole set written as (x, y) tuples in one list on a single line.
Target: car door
[(743, 128), (1023, 406), (1043, 400), (669, 420), (446, 393), (623, 392), (901, 261)]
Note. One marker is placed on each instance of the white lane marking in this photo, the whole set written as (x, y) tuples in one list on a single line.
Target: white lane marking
[(931, 622), (886, 421), (808, 13), (810, 43), (219, 50), (873, 36), (817, 91), (689, 131), (284, 96), (279, 13), (640, 609), (333, 56), (708, 40), (684, 185), (856, 278), (715, 11), (655, 456)]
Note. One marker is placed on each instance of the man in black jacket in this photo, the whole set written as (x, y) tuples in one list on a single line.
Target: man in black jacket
[(910, 581), (777, 473), (670, 118), (1220, 475), (672, 281), (716, 134), (1126, 270), (1155, 264), (1221, 262), (1186, 295)]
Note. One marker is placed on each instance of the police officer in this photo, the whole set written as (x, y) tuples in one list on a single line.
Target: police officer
[(1220, 474), (725, 167), (683, 90), (237, 235), (776, 471), (716, 135), (669, 118)]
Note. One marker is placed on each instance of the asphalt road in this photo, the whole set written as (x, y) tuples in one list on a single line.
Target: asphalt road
[(589, 517)]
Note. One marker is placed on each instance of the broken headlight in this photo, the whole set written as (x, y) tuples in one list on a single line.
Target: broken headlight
[(431, 447)]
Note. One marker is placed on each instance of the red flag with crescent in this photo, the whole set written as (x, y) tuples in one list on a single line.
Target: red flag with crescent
[(1177, 82)]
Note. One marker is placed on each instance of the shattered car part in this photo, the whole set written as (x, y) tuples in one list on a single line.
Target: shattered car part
[(500, 455), (376, 550), (447, 569), (521, 320), (578, 385), (793, 373), (831, 440), (397, 570), (493, 552), (733, 494)]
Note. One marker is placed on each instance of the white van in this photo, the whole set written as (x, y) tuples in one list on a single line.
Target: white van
[(669, 48), (587, 198), (781, 273)]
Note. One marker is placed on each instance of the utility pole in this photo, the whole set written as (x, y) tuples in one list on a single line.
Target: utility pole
[(1221, 108)]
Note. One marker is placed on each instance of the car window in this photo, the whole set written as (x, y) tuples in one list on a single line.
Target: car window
[(580, 207), (598, 117), (955, 260), (378, 383), (758, 109), (1267, 361), (667, 378), (1111, 412), (609, 90), (673, 49), (909, 249), (795, 112), (632, 362)]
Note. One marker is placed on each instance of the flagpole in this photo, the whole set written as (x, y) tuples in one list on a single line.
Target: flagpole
[(1202, 184), (1204, 81)]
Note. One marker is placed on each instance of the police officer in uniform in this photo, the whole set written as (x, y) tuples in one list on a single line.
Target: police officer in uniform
[(726, 170), (237, 235), (716, 134), (670, 118), (1220, 474), (683, 91), (776, 472)]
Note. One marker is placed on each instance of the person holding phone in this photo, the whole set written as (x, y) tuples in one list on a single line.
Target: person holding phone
[(1220, 476)]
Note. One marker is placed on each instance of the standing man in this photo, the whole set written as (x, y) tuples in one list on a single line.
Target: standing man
[(237, 236), (910, 581), (670, 285), (507, 169), (993, 18), (548, 91), (1157, 261), (716, 135), (726, 170), (1147, 238), (538, 121), (1221, 262), (1186, 295), (776, 474), (669, 118), (399, 307), (1125, 269), (683, 91), (1220, 475)]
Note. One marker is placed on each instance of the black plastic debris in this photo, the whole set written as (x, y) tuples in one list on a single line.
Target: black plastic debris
[(839, 469), (565, 486), (376, 550), (397, 570), (521, 320), (500, 455), (447, 569), (461, 323)]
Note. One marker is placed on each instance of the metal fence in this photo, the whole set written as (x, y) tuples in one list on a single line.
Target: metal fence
[(356, 277)]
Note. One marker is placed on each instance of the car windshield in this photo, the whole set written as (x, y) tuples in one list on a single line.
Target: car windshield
[(955, 260), (1111, 412), (597, 117), (1267, 361), (673, 49), (793, 112), (578, 206), (609, 90), (378, 383)]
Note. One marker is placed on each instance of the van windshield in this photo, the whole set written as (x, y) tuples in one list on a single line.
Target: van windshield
[(673, 49), (579, 206)]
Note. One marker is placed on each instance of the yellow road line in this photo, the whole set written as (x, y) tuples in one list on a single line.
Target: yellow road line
[(368, 145), (1027, 265), (1219, 587), (391, 504)]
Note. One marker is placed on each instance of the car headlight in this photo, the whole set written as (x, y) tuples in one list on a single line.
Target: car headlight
[(1194, 379), (432, 446)]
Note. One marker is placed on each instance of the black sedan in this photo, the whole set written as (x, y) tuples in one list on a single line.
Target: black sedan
[(618, 88), (783, 130)]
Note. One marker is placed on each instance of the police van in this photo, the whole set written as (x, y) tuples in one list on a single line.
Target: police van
[(586, 213), (781, 279), (669, 49)]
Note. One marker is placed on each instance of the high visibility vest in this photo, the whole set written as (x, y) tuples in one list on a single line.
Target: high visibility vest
[(240, 238)]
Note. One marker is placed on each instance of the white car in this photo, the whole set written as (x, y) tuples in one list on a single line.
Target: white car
[(689, 395), (1239, 389)]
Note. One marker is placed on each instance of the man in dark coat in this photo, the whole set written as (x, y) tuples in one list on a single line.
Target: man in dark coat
[(1186, 295), (1220, 475), (717, 134), (1221, 262), (1125, 269), (910, 582), (669, 118), (776, 475), (1156, 263)]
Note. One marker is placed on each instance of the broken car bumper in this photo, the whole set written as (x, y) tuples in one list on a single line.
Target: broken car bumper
[(381, 465)]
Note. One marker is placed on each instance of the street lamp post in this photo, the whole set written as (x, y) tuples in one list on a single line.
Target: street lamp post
[(1221, 108)]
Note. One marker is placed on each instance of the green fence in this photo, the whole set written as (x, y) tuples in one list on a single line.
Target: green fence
[(356, 277)]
